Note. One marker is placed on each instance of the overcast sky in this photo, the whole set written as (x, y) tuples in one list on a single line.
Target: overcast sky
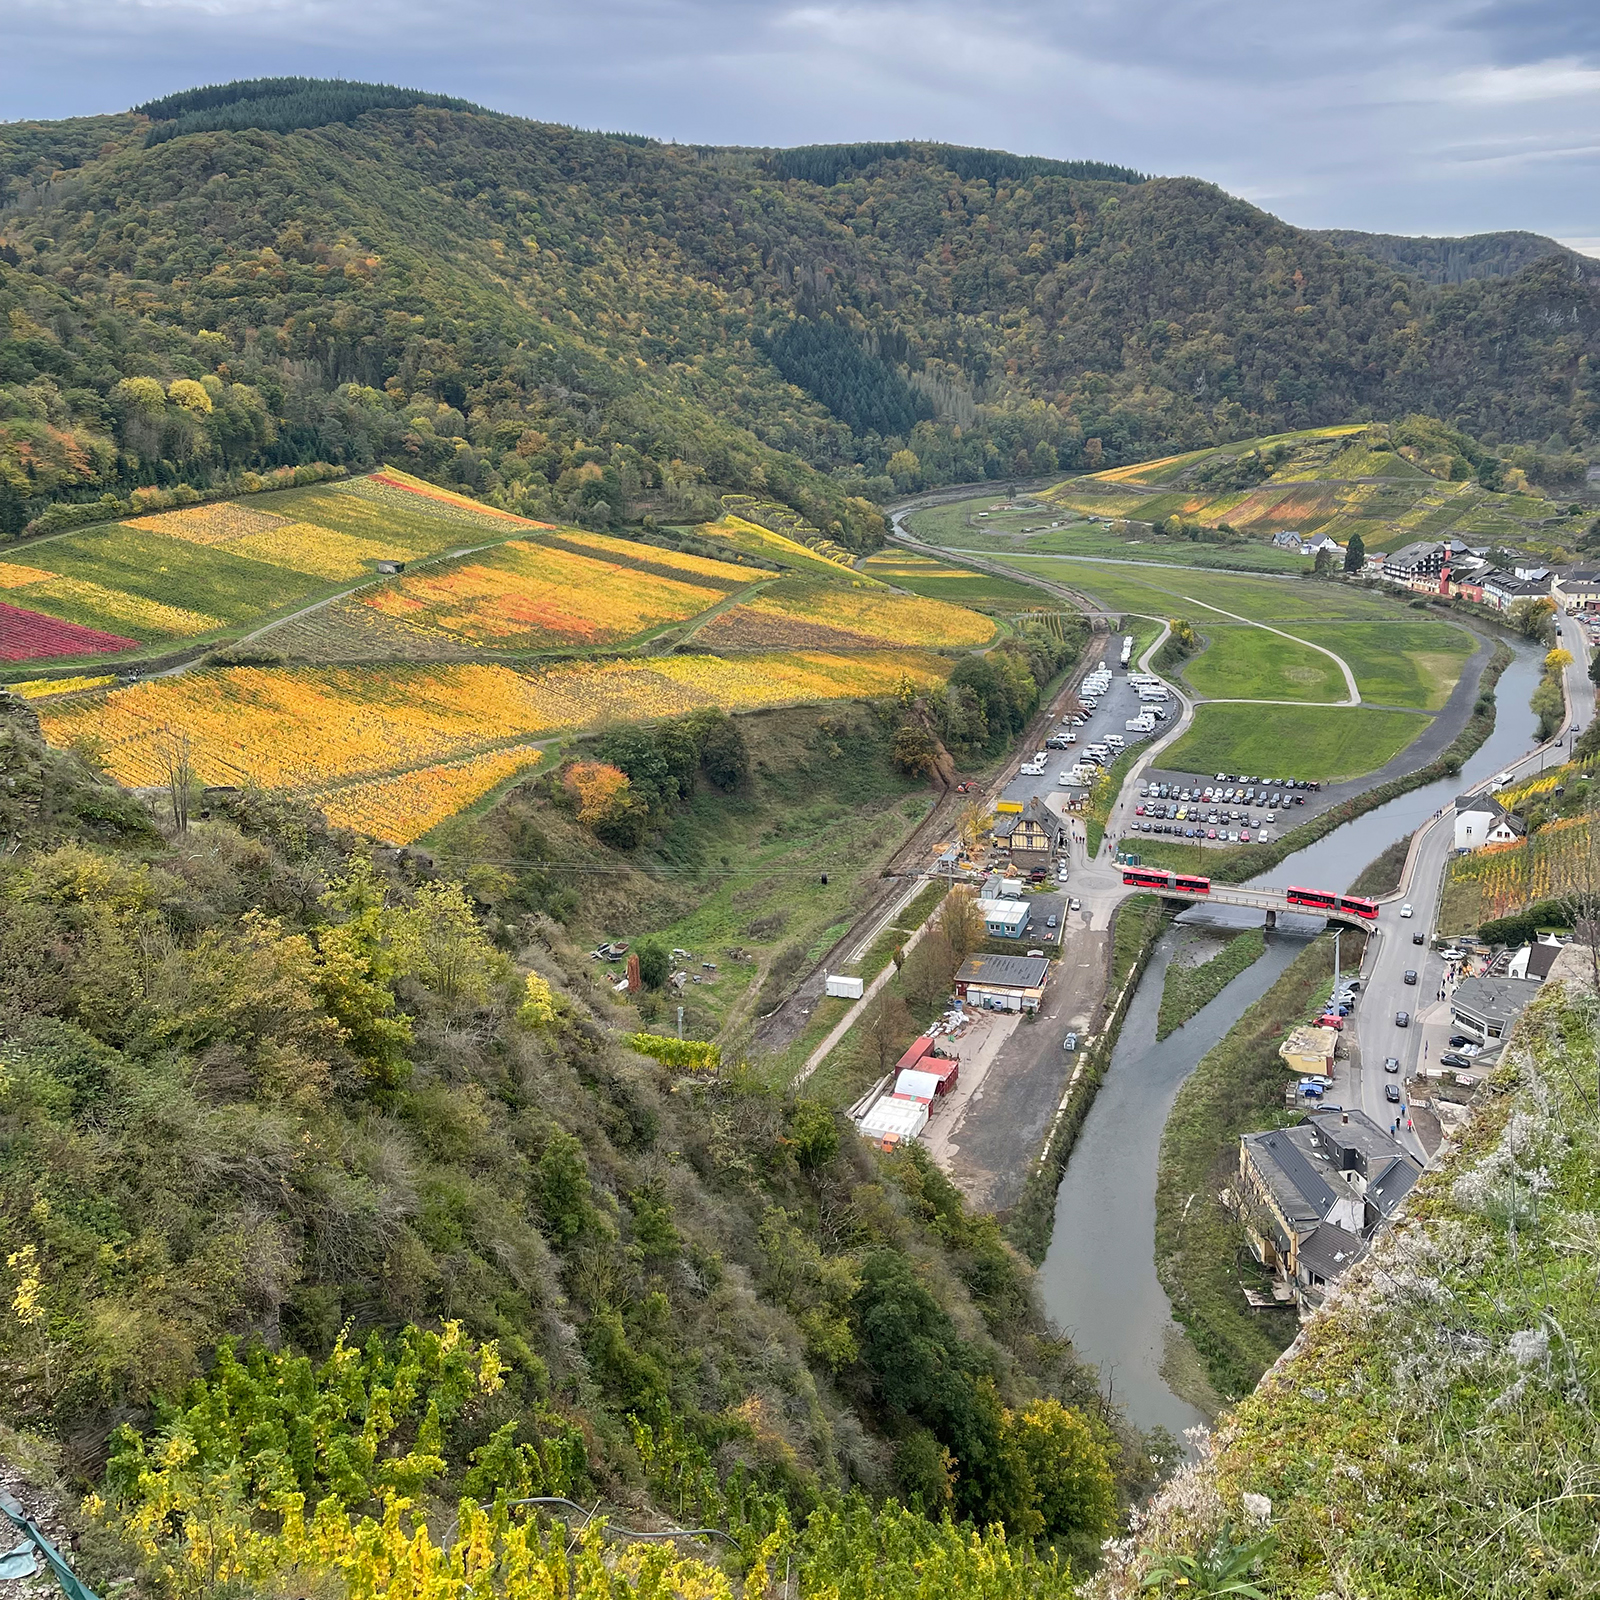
[(1403, 116)]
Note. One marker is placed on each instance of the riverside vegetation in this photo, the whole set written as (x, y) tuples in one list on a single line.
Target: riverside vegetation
[(349, 1204)]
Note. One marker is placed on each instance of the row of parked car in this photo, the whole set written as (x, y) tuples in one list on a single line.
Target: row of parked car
[(1217, 794)]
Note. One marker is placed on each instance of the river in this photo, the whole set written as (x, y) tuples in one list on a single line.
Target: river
[(1098, 1279)]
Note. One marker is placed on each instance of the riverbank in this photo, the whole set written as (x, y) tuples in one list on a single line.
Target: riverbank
[(1135, 928), (1200, 1254)]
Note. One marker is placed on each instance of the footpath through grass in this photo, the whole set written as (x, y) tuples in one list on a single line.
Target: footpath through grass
[(1201, 1256), (1190, 986)]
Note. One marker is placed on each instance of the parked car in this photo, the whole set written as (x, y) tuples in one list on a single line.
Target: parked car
[(1391, 1093), (1391, 1063), (1050, 921), (1331, 1019), (1070, 1042), (1454, 1058), (1074, 904), (1405, 910), (1411, 975), (1458, 1040), (1319, 1077), (1402, 1019)]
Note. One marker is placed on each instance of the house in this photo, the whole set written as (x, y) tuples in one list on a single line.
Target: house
[(1417, 565), (1481, 820), (1004, 919), (1534, 961), (1312, 1196), (1036, 831), (1578, 589), (1469, 588), (1502, 590), (1309, 1050), (1489, 1006), (1003, 983), (391, 566), (1288, 539), (1319, 542)]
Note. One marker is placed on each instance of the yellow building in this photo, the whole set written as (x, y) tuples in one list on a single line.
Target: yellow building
[(1309, 1051)]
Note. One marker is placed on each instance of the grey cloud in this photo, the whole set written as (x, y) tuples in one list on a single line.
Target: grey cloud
[(1400, 115)]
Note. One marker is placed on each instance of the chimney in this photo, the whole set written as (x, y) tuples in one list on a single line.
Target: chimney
[(1345, 1118)]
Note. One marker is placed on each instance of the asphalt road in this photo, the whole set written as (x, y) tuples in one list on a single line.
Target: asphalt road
[(1360, 1081)]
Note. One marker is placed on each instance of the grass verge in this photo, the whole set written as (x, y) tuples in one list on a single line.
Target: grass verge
[(1201, 1257), (1136, 926), (1188, 988), (1104, 795), (1382, 875)]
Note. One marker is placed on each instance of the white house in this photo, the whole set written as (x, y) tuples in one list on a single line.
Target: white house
[(1482, 820)]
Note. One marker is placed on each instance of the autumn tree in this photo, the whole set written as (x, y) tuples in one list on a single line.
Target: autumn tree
[(961, 923)]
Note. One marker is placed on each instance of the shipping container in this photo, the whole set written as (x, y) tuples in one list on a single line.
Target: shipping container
[(842, 988)]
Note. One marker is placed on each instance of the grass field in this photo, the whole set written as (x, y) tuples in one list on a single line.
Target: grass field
[(938, 580), (1242, 663), (1322, 742), (1398, 663), (1044, 529), (1198, 595)]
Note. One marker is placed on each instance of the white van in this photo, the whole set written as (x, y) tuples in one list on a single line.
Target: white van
[(1115, 741)]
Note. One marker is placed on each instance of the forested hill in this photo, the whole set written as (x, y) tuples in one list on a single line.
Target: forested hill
[(602, 326), (1478, 255)]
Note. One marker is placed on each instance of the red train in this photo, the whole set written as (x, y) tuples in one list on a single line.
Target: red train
[(1313, 899), (1155, 878), (1322, 900)]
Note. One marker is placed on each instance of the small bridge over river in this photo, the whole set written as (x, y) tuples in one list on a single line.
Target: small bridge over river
[(1271, 902)]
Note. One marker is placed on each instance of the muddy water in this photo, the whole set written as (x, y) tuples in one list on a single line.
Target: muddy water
[(1098, 1279)]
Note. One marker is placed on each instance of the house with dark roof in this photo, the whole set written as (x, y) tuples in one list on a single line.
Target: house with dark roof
[(1417, 565), (1534, 961), (1313, 1195), (1481, 819), (1003, 983), (1032, 835), (1502, 590), (1489, 1006), (1577, 589)]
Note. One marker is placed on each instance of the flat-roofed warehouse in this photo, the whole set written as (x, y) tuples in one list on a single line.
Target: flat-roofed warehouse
[(1003, 983)]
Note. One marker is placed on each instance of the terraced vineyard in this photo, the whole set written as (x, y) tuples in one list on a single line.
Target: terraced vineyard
[(394, 749), (1337, 481), (210, 572), (400, 612)]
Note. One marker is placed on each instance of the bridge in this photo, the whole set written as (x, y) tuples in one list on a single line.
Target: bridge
[(1269, 901)]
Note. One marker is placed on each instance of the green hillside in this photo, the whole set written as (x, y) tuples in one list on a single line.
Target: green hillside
[(601, 328), (273, 1105)]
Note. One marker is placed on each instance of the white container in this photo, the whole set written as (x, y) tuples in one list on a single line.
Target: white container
[(843, 988), (891, 1120)]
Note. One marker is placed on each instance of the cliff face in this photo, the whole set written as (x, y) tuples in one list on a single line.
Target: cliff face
[(1432, 1431)]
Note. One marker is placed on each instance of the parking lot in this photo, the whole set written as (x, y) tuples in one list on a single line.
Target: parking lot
[(1237, 809), (1117, 707)]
